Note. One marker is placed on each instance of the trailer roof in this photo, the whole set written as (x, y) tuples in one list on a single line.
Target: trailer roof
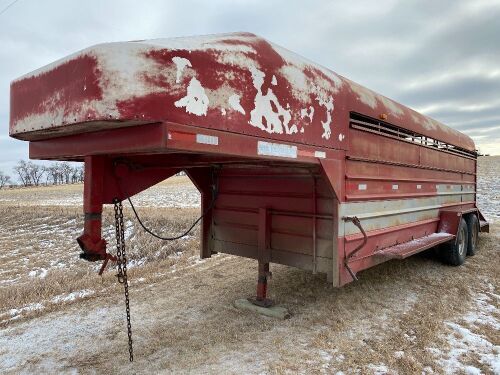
[(237, 82)]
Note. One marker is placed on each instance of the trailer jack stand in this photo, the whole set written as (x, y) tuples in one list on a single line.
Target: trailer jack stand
[(261, 297), (260, 303)]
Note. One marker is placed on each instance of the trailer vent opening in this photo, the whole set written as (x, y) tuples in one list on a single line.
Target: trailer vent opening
[(372, 125)]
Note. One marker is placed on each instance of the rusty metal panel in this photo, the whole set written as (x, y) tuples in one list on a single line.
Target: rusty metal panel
[(297, 225)]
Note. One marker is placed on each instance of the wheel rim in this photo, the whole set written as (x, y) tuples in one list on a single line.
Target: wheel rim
[(461, 242)]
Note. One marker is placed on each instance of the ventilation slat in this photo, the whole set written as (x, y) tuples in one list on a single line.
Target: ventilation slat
[(365, 123)]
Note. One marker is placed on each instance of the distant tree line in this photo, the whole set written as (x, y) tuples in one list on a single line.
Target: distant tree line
[(33, 174)]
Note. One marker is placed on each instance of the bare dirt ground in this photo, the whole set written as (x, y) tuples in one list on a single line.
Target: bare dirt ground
[(58, 316)]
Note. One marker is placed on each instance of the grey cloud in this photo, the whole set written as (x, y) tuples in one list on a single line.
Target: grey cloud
[(385, 45), (459, 90)]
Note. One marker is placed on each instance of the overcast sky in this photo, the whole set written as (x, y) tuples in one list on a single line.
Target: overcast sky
[(439, 57)]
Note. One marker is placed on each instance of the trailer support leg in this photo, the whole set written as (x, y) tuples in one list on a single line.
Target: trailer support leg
[(261, 298), (264, 257), (91, 242)]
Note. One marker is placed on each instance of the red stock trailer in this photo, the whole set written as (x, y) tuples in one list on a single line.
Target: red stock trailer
[(295, 164)]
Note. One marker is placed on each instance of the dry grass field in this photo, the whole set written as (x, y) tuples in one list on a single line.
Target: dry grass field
[(402, 317)]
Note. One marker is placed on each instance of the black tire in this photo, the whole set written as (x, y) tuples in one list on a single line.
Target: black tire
[(454, 252), (473, 231)]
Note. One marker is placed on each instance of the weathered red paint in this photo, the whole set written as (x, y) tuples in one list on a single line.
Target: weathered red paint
[(58, 89), (281, 197)]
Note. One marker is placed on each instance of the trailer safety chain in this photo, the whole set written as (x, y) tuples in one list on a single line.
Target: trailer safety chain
[(121, 258), (122, 267), (356, 222), (215, 192)]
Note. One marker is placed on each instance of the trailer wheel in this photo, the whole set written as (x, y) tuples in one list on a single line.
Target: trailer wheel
[(454, 253), (473, 237)]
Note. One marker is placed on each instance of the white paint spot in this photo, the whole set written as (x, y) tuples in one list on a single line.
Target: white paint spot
[(419, 187), (299, 83), (276, 149), (371, 99), (392, 106), (341, 137), (234, 102), (196, 101), (307, 112), (207, 139), (274, 81), (320, 154), (326, 102), (365, 95), (263, 115), (180, 63), (223, 111), (430, 124), (395, 187), (362, 186)]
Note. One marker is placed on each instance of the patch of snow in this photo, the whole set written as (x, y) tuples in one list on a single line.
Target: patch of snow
[(379, 369), (72, 296), (136, 262), (464, 341), (484, 314), (427, 370), (41, 273), (129, 229), (17, 313), (410, 336), (399, 354)]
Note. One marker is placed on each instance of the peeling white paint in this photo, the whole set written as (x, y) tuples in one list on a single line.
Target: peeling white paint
[(234, 102), (196, 100), (299, 83), (122, 63), (365, 95), (341, 137), (307, 112), (371, 99), (180, 63), (429, 124), (326, 102), (394, 109), (263, 115)]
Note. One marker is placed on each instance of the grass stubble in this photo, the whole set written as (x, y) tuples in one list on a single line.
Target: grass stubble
[(183, 315)]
